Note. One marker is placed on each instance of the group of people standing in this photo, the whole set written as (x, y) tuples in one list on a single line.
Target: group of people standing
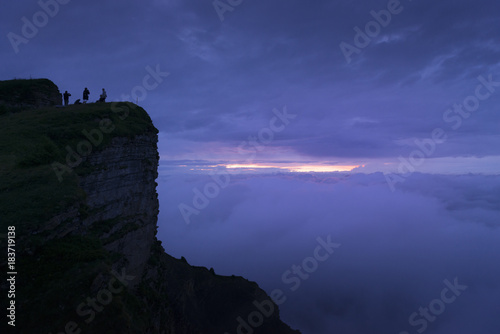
[(86, 94)]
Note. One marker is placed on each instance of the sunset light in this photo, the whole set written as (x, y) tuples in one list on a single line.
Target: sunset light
[(296, 168), (321, 168), (249, 166)]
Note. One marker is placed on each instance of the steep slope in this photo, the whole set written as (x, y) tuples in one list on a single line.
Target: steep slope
[(78, 184)]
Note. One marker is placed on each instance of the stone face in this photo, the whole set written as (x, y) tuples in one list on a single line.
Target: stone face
[(183, 299), (122, 189), (121, 201), (200, 301)]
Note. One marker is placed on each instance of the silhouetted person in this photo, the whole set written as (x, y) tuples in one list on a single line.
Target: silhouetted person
[(78, 101), (85, 95), (103, 96), (66, 97)]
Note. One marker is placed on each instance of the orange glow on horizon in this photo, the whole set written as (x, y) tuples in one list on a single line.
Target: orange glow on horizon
[(249, 166), (298, 168), (321, 168)]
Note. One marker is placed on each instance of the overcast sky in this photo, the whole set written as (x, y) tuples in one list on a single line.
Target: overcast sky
[(358, 101)]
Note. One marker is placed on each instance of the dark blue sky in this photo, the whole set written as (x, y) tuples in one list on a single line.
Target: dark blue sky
[(226, 76)]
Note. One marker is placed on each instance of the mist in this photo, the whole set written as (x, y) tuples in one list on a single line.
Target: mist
[(396, 251)]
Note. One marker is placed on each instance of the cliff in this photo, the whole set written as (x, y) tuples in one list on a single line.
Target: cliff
[(78, 184)]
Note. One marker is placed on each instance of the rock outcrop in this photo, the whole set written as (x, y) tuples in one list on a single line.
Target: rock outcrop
[(29, 93)]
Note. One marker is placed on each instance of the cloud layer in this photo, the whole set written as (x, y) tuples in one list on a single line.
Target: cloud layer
[(397, 248)]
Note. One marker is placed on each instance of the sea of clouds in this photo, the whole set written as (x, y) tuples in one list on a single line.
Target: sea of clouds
[(422, 258)]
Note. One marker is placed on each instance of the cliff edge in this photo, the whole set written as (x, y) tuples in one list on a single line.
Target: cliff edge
[(78, 191)]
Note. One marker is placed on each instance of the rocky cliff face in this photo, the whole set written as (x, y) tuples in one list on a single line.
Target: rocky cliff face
[(122, 190), (182, 299), (94, 264), (121, 203)]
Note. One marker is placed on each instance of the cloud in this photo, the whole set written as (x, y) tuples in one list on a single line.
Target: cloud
[(396, 248)]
